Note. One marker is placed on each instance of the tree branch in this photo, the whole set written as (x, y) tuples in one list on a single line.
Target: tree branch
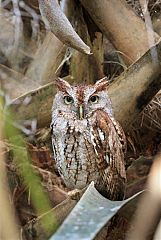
[(119, 23)]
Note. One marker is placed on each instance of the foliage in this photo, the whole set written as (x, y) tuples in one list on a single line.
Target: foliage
[(22, 160)]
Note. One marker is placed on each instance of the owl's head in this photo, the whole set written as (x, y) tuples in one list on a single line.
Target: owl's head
[(81, 100)]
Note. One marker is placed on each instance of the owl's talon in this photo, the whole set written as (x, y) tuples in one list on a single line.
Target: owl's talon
[(75, 194)]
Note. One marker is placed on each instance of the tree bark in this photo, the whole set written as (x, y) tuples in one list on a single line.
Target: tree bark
[(86, 68), (122, 27), (135, 88), (48, 57)]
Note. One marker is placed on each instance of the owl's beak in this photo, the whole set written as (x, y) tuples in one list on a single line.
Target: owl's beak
[(81, 112)]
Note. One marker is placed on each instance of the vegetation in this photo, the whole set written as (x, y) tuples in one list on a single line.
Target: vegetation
[(124, 39)]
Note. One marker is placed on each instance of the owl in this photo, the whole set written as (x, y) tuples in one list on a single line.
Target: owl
[(88, 143)]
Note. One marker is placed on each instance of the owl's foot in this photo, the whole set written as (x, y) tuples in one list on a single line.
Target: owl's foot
[(75, 194)]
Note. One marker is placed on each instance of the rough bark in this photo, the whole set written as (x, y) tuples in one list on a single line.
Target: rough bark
[(157, 24), (86, 68), (135, 88), (119, 23), (130, 93)]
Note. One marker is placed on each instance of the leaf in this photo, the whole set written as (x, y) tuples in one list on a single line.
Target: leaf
[(88, 217), (55, 19)]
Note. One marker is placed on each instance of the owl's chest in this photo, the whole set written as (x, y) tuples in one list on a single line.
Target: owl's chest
[(75, 155)]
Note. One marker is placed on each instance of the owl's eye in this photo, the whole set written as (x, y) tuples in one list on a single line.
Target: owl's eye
[(94, 99), (68, 100)]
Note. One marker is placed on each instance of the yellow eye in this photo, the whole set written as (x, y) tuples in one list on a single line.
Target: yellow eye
[(94, 99), (68, 100)]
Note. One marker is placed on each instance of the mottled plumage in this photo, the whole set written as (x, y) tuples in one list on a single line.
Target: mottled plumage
[(88, 143)]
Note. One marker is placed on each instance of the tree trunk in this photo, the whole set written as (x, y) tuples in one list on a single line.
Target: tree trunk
[(123, 28), (86, 68), (48, 57)]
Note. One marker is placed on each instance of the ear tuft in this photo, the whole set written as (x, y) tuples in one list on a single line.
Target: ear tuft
[(62, 85), (101, 84)]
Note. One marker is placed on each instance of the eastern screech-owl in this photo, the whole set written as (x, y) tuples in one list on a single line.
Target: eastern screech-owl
[(88, 143)]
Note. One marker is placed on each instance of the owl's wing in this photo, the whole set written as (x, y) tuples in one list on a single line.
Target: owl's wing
[(109, 141)]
